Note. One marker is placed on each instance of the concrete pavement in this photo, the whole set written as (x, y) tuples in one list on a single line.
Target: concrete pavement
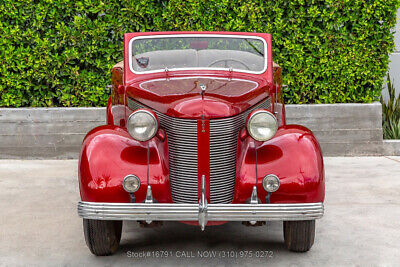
[(39, 224)]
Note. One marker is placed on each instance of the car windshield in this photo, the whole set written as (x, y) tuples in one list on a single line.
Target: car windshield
[(155, 53)]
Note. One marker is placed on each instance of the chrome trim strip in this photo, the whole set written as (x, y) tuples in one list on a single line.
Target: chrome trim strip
[(191, 212), (196, 77)]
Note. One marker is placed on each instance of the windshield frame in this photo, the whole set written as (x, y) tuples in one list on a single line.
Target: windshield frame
[(198, 68)]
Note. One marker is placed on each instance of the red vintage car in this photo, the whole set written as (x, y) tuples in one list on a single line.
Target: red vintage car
[(196, 133)]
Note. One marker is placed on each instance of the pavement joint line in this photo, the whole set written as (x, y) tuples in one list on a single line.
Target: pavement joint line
[(361, 204), (392, 159)]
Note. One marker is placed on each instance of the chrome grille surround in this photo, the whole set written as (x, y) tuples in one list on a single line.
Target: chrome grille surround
[(182, 146)]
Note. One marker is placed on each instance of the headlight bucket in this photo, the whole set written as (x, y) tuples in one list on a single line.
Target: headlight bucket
[(142, 125), (262, 125)]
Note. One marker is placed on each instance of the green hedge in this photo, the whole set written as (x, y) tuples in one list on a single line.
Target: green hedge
[(59, 53)]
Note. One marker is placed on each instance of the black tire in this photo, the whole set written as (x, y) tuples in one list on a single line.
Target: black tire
[(299, 235), (102, 237)]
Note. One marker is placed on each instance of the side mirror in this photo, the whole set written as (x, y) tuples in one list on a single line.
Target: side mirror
[(108, 87)]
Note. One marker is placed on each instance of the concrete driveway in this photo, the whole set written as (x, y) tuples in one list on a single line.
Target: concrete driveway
[(39, 224)]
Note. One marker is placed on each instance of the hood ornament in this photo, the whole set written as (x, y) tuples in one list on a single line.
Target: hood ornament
[(203, 88)]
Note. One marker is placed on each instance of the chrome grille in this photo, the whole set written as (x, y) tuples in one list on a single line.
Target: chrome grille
[(182, 143), (223, 146)]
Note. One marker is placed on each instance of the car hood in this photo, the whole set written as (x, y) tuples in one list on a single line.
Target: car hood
[(199, 96)]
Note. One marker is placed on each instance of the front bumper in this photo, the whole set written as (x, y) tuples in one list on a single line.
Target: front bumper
[(197, 212)]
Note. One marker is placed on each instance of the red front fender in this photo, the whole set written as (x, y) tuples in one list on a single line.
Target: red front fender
[(294, 155), (109, 154)]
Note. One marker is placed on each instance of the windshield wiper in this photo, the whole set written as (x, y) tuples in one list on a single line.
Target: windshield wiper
[(255, 49)]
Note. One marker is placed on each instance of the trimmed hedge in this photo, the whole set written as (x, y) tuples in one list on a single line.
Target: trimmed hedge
[(60, 52)]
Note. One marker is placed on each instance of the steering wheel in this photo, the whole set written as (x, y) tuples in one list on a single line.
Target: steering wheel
[(226, 63)]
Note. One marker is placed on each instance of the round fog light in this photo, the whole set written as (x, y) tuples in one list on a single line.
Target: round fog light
[(271, 183), (131, 183)]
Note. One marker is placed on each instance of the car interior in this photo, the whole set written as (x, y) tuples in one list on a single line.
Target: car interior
[(192, 58)]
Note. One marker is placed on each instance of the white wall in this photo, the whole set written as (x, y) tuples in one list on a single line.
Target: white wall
[(394, 65)]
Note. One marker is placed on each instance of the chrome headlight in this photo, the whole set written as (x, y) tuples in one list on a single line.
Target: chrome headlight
[(142, 125), (131, 183), (262, 125)]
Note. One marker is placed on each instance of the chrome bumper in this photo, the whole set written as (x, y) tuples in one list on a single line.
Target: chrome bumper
[(195, 212)]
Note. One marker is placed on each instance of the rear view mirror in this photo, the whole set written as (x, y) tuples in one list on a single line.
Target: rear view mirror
[(199, 45)]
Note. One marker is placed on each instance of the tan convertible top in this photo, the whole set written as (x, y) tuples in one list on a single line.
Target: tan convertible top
[(119, 65)]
